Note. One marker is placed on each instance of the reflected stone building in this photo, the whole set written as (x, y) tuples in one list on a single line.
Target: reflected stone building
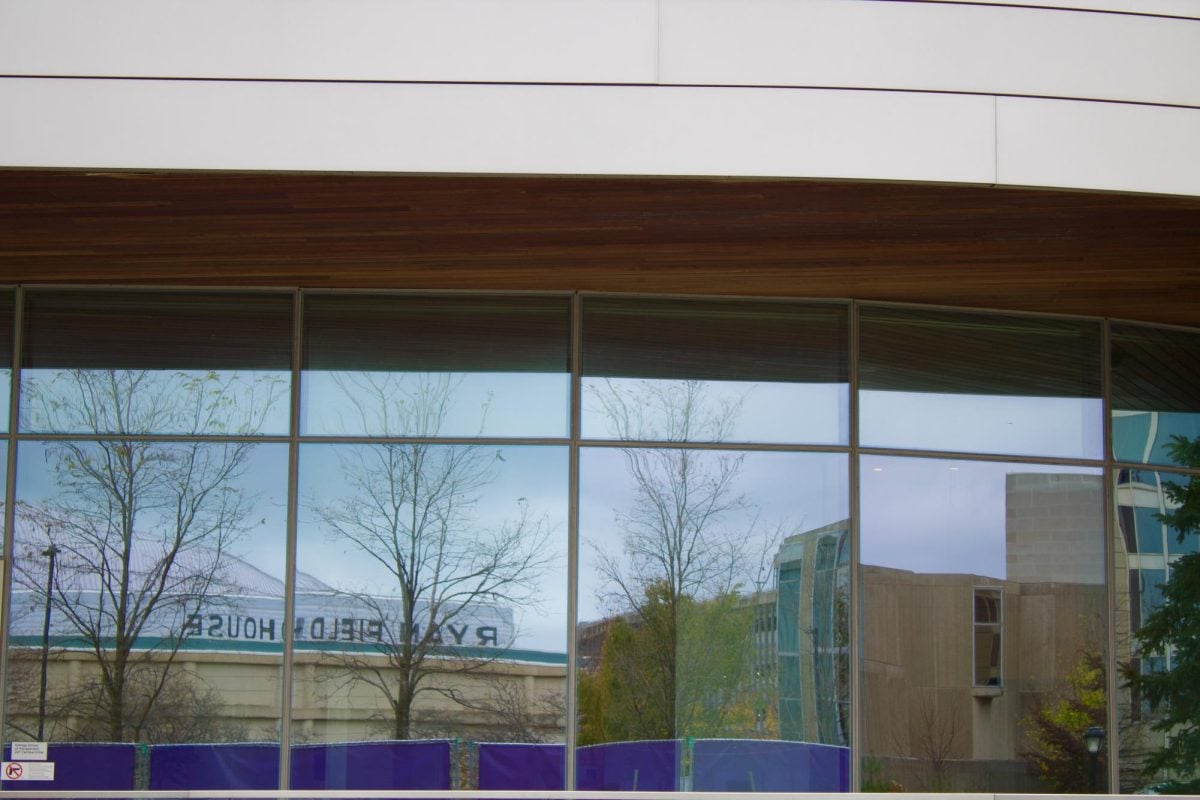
[(953, 664)]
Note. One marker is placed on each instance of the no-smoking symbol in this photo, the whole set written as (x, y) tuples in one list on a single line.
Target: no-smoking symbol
[(13, 771)]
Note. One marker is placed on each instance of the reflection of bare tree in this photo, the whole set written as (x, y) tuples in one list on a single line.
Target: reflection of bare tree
[(510, 713), (678, 562), (935, 739), (409, 508), (174, 706), (931, 734), (671, 535), (138, 525)]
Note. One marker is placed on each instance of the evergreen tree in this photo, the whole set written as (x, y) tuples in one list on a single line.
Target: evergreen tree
[(1174, 694)]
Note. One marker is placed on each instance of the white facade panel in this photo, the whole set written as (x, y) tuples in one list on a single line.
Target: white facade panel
[(1188, 9), (497, 129), (931, 47), (1098, 146), (590, 41)]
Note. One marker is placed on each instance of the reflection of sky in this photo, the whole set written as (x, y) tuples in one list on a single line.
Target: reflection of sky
[(253, 402), (263, 481), (5, 395), (536, 474), (809, 413), (1035, 426), (533, 404), (785, 493), (936, 516)]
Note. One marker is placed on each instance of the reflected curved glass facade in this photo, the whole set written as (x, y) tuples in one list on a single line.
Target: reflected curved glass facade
[(428, 541)]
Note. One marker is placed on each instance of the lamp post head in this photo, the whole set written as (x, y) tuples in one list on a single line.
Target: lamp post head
[(50, 551), (1093, 739)]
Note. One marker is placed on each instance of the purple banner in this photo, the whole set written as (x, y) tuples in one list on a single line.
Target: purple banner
[(750, 765), (214, 766), (650, 766), (372, 765), (84, 766), (521, 766)]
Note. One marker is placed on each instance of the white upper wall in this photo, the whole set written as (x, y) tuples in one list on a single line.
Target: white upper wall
[(933, 91)]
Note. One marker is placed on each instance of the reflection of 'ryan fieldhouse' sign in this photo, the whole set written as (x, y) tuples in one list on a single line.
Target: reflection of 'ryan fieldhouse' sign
[(325, 621), (334, 629)]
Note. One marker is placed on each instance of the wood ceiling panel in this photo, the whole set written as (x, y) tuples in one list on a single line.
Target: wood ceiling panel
[(1113, 255)]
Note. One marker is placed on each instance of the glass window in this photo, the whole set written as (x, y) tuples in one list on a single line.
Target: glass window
[(681, 550), (1149, 530), (97, 362), (1156, 394), (693, 371), (988, 635), (147, 600), (981, 383), (983, 606), (435, 366), (6, 349), (1155, 614), (431, 605)]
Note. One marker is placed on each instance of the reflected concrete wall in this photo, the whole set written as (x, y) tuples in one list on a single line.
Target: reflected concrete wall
[(326, 707), (924, 718)]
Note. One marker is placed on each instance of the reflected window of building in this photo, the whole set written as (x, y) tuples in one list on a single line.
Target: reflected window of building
[(979, 383), (988, 636)]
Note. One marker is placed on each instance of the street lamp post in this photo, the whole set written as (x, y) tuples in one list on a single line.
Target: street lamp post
[(50, 552), (1093, 740)]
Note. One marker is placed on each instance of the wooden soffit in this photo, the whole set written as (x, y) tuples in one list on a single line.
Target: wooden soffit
[(1122, 256)]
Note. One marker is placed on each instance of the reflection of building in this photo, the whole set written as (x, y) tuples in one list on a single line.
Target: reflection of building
[(226, 620), (813, 580), (953, 662), (1144, 550), (325, 706)]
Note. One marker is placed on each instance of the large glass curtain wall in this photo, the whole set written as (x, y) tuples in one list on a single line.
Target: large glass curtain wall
[(365, 541)]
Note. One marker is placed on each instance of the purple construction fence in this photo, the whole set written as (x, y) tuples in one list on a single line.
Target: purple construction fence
[(650, 766), (750, 765), (372, 765), (214, 766), (84, 766), (521, 766)]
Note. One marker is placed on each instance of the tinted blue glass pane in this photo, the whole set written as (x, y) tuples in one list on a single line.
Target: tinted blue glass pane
[(1151, 584), (1149, 530), (1147, 436), (1131, 433), (1190, 542)]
